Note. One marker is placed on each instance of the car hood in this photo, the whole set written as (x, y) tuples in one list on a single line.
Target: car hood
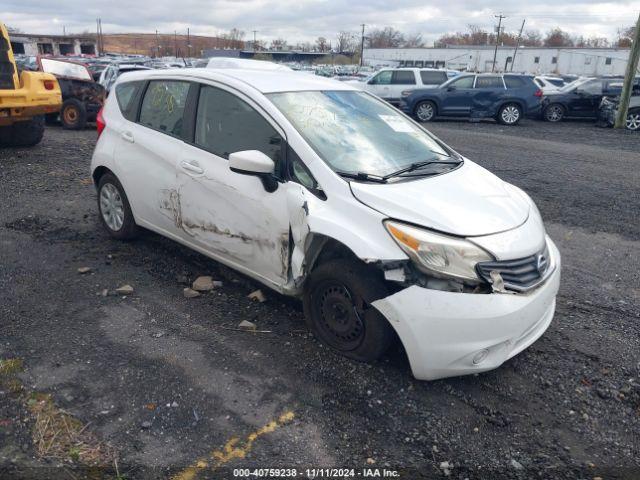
[(469, 201)]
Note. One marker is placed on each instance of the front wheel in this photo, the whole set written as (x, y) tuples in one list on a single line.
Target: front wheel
[(510, 114), (633, 120), (425, 111), (73, 114), (337, 304), (115, 211), (554, 113)]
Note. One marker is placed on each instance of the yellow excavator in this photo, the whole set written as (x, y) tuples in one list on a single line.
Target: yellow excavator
[(25, 98)]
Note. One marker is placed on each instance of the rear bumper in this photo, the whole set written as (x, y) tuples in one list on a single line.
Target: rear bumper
[(31, 99), (448, 334)]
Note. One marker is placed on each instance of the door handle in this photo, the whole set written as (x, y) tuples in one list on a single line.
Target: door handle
[(192, 167), (128, 136)]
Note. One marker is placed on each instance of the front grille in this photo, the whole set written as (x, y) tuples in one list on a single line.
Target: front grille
[(518, 275)]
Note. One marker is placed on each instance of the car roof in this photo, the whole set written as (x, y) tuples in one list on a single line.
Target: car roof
[(265, 81)]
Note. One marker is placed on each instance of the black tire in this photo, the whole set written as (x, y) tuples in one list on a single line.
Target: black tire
[(73, 114), (23, 134), (425, 111), (553, 113), (337, 305), (509, 114), (633, 120), (129, 230)]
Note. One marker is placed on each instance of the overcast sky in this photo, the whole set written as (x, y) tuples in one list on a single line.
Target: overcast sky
[(302, 20)]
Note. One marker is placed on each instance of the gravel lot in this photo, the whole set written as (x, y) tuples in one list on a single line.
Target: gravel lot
[(166, 381)]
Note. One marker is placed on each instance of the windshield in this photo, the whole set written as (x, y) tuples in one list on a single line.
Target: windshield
[(354, 132), (65, 69)]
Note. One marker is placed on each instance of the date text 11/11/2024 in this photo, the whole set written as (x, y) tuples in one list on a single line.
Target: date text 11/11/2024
[(313, 473)]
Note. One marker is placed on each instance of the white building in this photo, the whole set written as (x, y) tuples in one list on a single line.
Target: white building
[(26, 44), (563, 61)]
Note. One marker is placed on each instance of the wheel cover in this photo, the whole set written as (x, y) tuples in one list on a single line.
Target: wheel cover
[(425, 112), (510, 114), (633, 121), (340, 323), (111, 207), (554, 113), (71, 115)]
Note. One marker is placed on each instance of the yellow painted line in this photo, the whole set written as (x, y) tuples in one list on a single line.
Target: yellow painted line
[(233, 449)]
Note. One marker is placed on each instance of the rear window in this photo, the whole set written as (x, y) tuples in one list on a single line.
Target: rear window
[(433, 78), (403, 77), (126, 95), (489, 82), (516, 82), (163, 106)]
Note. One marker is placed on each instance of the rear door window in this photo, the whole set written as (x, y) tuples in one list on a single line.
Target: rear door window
[(433, 78), (517, 82), (163, 106), (403, 77), (489, 82), (463, 82), (126, 94)]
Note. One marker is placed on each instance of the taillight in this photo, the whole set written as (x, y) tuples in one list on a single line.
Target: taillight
[(100, 123), (538, 93), (49, 84)]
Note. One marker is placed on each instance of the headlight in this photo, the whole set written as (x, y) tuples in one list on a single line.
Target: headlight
[(437, 254)]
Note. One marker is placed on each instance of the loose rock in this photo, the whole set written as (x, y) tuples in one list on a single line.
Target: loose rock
[(190, 293), (203, 284), (124, 290), (257, 296), (83, 270), (246, 325)]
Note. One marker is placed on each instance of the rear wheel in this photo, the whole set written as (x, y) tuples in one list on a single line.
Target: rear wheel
[(73, 114), (554, 113), (115, 211), (23, 134), (510, 114), (425, 111), (337, 304), (633, 120)]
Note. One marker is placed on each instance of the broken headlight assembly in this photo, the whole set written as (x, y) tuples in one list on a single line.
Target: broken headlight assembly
[(439, 255)]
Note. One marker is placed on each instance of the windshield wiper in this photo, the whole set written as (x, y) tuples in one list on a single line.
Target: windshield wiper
[(418, 165), (367, 177)]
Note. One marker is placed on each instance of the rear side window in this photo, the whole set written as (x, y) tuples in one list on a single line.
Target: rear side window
[(403, 77), (433, 78), (516, 82), (463, 82), (163, 106), (383, 78), (126, 94), (489, 82), (226, 124)]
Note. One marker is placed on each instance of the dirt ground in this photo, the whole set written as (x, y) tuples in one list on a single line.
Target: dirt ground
[(167, 386)]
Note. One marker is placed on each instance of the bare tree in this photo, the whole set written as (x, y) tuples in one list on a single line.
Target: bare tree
[(557, 37), (279, 44), (413, 41), (11, 29), (346, 43), (388, 37), (625, 37), (532, 38), (322, 45)]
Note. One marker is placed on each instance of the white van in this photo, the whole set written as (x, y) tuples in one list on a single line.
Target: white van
[(327, 193), (391, 84)]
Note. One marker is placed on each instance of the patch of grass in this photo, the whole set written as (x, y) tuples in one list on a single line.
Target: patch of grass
[(57, 434), (10, 366)]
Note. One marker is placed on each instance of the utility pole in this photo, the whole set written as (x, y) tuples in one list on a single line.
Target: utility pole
[(157, 45), (515, 51), (188, 43), (632, 66), (254, 40), (175, 43), (362, 46), (498, 30)]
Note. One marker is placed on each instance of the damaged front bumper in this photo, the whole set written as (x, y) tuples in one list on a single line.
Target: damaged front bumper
[(447, 334)]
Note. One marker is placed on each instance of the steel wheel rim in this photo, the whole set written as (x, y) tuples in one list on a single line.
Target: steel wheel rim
[(510, 114), (70, 115), (425, 112), (554, 114), (111, 207), (633, 121), (340, 322)]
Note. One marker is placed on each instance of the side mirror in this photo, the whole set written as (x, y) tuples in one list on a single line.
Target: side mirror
[(255, 163)]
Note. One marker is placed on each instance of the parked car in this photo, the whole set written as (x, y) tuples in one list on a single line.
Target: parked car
[(392, 84), (111, 73), (608, 112), (327, 193), (507, 98), (549, 84), (82, 97), (580, 99), (246, 63)]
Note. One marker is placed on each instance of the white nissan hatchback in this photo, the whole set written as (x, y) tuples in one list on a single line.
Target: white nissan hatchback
[(322, 191)]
